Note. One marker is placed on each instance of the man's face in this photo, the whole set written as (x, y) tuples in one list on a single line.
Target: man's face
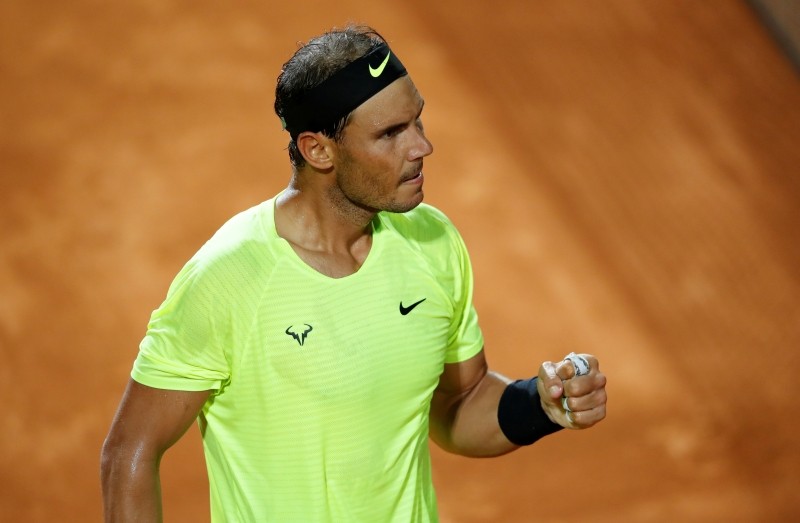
[(379, 160)]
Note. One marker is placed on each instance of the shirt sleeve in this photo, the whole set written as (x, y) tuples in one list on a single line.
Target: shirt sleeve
[(465, 339), (184, 347)]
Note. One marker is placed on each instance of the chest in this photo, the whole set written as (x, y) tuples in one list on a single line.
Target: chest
[(350, 341)]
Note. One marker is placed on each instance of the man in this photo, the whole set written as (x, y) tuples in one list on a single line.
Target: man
[(323, 336)]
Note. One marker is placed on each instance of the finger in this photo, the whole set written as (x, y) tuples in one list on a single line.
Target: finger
[(565, 370), (574, 365), (586, 418), (580, 363), (596, 398), (583, 385), (549, 381)]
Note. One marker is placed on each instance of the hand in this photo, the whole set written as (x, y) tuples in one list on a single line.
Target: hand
[(584, 396)]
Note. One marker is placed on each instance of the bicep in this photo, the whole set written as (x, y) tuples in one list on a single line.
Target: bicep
[(151, 420), (464, 409), (459, 378), (456, 382)]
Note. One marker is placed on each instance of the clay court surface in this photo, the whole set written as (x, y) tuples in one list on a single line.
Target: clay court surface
[(626, 174)]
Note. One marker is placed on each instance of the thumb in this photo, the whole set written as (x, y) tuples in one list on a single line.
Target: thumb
[(549, 383)]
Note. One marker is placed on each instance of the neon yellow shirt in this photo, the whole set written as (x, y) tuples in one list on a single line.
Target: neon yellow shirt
[(322, 386)]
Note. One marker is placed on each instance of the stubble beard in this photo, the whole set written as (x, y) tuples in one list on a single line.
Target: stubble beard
[(368, 198)]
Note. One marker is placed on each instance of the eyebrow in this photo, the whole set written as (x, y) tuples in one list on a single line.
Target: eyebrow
[(400, 125), (421, 106)]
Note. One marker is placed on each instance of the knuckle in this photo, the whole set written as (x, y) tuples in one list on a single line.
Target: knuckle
[(602, 396)]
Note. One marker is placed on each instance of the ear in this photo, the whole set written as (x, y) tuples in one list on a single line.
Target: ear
[(316, 149)]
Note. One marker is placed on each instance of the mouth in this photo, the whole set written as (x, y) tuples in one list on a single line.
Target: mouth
[(415, 178)]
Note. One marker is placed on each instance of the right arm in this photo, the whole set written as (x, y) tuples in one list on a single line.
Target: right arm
[(147, 423)]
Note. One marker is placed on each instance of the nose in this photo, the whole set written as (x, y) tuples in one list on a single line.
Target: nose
[(422, 147)]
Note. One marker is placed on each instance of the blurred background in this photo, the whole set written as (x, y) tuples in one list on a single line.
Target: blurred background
[(625, 173)]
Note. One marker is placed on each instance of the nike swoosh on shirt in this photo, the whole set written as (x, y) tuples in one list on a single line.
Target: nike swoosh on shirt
[(406, 310), (376, 72)]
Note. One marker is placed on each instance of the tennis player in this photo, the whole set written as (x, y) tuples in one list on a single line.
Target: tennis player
[(321, 337)]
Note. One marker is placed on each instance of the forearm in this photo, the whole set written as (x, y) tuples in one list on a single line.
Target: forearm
[(468, 425), (131, 486)]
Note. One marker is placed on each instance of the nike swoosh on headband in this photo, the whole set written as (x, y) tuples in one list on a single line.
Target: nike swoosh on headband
[(376, 72)]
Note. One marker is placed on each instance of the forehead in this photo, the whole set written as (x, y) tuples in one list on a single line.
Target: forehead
[(398, 102)]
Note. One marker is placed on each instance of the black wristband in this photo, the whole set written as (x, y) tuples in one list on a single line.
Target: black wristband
[(521, 416)]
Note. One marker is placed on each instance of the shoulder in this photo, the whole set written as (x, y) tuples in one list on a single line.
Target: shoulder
[(244, 235), (235, 252), (238, 233)]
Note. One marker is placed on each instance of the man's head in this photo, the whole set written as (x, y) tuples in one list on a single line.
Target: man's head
[(321, 84), (353, 112)]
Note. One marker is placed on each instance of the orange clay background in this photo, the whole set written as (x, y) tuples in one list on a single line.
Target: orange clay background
[(626, 174)]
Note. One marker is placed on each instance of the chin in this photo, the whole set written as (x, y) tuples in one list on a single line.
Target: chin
[(407, 204)]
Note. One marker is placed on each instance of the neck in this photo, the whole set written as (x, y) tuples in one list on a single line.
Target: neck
[(321, 219)]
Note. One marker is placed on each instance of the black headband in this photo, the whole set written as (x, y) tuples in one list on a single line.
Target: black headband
[(337, 96)]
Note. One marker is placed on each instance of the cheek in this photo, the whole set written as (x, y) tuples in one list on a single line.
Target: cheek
[(379, 166), (380, 169)]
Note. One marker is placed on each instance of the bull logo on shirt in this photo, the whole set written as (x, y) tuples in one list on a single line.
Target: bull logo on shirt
[(299, 333)]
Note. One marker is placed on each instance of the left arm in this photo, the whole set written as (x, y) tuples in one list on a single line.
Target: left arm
[(465, 403), (464, 409)]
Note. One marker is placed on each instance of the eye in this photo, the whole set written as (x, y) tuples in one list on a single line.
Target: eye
[(393, 131)]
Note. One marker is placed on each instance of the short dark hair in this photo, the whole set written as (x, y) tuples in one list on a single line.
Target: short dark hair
[(315, 62)]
